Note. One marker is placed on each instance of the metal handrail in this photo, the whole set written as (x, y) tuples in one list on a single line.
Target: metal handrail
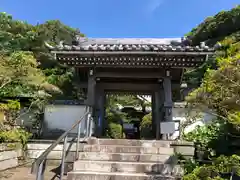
[(39, 164)]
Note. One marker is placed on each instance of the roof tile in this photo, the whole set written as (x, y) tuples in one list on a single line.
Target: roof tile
[(131, 44)]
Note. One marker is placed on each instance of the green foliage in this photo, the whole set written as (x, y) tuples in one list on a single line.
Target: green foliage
[(15, 135), (209, 139), (224, 27), (234, 117), (19, 75), (21, 36), (114, 116), (146, 127), (15, 35), (115, 131), (220, 90), (54, 31), (220, 168), (194, 77), (27, 68), (112, 112), (10, 105), (218, 95), (18, 35), (190, 165), (204, 135), (217, 27)]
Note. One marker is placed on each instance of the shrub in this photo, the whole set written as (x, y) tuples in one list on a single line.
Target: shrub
[(220, 169), (15, 135), (146, 127), (115, 131)]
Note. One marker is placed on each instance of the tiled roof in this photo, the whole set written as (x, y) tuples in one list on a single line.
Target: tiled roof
[(131, 44)]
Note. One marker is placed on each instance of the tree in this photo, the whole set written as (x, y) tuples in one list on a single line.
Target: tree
[(21, 36), (27, 68), (19, 75), (218, 93), (220, 90), (224, 27), (216, 28)]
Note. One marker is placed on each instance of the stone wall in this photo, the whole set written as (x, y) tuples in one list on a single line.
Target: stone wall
[(184, 148), (9, 154), (36, 147)]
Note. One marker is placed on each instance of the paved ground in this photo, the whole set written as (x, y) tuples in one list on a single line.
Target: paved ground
[(23, 173)]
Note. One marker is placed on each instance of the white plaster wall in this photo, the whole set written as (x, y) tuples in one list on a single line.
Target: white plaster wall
[(62, 117), (181, 114)]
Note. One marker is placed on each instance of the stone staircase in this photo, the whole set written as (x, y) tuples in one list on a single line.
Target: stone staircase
[(122, 159)]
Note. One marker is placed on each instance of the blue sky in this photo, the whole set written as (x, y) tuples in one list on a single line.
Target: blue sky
[(120, 18)]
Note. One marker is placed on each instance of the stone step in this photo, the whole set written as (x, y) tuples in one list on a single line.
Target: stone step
[(128, 167), (135, 157), (130, 142), (115, 176), (128, 149)]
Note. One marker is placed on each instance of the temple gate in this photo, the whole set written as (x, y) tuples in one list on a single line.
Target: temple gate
[(143, 66)]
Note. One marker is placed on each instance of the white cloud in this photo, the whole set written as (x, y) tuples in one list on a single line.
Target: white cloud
[(153, 5)]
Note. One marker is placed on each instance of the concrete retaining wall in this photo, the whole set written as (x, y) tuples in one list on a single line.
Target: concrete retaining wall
[(9, 154), (37, 147)]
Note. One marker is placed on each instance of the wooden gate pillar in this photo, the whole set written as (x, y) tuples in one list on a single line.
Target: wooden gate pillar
[(91, 89), (153, 114), (157, 114), (168, 103), (90, 101), (100, 111), (158, 103)]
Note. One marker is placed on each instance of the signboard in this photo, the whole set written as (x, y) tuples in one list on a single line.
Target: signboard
[(167, 127)]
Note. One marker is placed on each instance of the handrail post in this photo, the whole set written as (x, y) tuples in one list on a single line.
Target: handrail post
[(38, 166), (63, 157), (40, 172), (87, 122), (78, 139), (89, 125)]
